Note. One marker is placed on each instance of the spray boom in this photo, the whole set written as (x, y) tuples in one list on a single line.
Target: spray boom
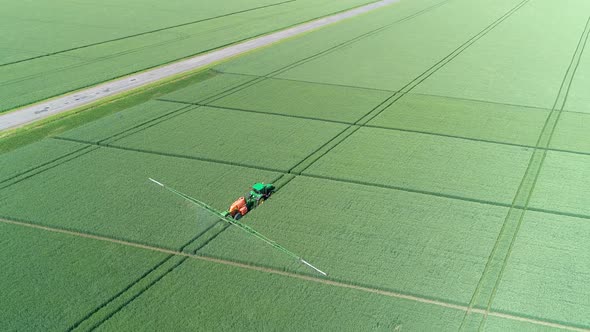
[(240, 225)]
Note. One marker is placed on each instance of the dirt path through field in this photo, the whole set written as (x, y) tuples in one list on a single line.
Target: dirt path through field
[(74, 100), (295, 275)]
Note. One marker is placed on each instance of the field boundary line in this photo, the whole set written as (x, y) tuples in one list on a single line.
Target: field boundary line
[(88, 62), (525, 190), (137, 294), (253, 111), (559, 104), (385, 104), (88, 95), (479, 140), (329, 178), (217, 161), (145, 33), (442, 195), (290, 274), (32, 169), (257, 79), (302, 81), (79, 153), (118, 294), (481, 101), (354, 40), (146, 124), (441, 63), (374, 126), (393, 91), (153, 269)]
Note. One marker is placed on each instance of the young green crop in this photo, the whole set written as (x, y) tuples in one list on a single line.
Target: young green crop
[(564, 184), (305, 99), (121, 122), (259, 140), (441, 165), (386, 239), (433, 238), (393, 58), (551, 254), (324, 41), (578, 97), (50, 281), (207, 89), (505, 65), (107, 192), (216, 297), (464, 118), (30, 157), (571, 132), (79, 24)]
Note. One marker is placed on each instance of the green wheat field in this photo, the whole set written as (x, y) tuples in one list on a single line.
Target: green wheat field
[(432, 156)]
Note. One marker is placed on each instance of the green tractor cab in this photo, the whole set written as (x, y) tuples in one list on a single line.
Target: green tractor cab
[(261, 190)]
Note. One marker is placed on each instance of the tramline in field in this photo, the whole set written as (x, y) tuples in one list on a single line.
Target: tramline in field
[(259, 193)]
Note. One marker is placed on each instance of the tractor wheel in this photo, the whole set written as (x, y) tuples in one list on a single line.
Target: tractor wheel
[(237, 216), (260, 201)]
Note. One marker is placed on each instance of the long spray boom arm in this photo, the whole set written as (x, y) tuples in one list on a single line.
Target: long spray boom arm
[(240, 225)]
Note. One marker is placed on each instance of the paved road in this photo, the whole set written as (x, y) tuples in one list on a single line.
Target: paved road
[(68, 102)]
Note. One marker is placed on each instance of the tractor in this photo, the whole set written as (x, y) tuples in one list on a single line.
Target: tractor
[(257, 195)]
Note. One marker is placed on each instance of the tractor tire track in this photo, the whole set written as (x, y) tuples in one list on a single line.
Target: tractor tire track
[(363, 120), (258, 79), (498, 259), (34, 168), (303, 81), (217, 161), (77, 324), (243, 110), (151, 277), (48, 166), (473, 139), (293, 172), (298, 276), (103, 312)]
